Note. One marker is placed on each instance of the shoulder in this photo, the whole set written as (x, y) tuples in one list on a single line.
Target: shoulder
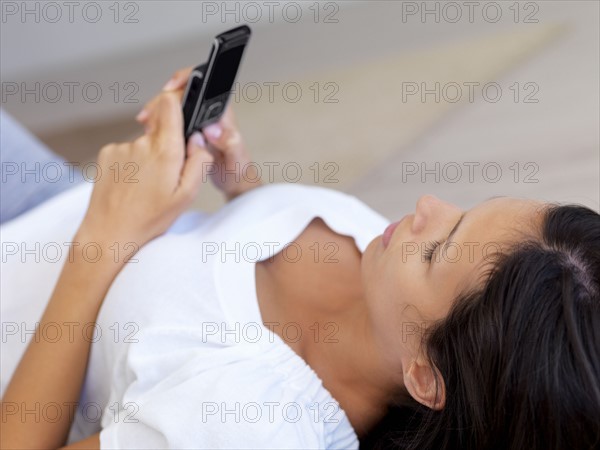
[(279, 194), (278, 197), (249, 403)]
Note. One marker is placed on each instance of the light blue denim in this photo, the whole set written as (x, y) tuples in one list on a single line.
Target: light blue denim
[(31, 173)]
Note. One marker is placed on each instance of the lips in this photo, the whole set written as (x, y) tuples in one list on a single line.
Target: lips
[(387, 234)]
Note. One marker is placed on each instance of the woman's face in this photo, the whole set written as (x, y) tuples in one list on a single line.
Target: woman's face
[(412, 275)]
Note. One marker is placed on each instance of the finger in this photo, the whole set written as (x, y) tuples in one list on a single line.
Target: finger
[(144, 114), (228, 118), (196, 166), (178, 80), (146, 111), (166, 123), (224, 136)]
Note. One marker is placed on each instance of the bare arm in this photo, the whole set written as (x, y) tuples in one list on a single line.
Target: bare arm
[(91, 443), (51, 374)]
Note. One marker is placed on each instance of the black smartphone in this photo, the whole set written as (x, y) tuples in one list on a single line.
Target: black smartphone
[(209, 86)]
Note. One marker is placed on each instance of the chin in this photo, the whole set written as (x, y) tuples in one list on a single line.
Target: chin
[(371, 249), (369, 258)]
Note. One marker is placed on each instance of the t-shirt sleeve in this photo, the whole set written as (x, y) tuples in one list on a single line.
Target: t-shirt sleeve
[(211, 409), (227, 397)]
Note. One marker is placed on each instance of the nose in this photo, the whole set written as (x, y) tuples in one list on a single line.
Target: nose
[(431, 210)]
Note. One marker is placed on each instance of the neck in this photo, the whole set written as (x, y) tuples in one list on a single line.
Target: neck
[(355, 370)]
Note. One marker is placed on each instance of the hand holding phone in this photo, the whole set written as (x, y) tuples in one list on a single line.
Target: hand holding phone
[(233, 173), (209, 85)]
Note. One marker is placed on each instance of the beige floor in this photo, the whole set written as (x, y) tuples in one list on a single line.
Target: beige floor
[(547, 149), (557, 138)]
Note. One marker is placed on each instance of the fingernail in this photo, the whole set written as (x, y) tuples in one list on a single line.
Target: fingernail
[(142, 115), (171, 84), (214, 131), (198, 139)]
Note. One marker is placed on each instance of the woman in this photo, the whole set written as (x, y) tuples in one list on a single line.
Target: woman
[(287, 319)]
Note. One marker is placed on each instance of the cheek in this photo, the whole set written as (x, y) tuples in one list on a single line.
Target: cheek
[(437, 299), (387, 279), (396, 318), (392, 292)]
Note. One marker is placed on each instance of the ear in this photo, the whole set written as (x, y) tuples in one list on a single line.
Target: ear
[(420, 381)]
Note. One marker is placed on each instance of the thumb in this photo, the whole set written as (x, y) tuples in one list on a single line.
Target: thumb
[(197, 165)]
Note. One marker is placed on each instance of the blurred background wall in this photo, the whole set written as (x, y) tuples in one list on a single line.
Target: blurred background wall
[(386, 100)]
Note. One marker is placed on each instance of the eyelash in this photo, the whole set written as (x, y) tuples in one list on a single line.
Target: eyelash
[(429, 249)]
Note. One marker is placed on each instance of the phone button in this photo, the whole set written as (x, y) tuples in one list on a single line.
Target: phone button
[(213, 110)]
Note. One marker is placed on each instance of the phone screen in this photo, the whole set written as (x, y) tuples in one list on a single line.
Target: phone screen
[(224, 71)]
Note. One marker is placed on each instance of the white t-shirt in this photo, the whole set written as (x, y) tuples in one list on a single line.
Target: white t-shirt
[(180, 355)]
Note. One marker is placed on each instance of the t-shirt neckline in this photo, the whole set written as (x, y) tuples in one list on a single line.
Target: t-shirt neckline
[(237, 279)]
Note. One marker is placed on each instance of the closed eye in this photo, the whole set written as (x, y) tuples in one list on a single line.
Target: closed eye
[(430, 249), (433, 245)]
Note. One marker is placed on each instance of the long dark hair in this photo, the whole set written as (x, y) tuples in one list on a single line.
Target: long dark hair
[(520, 357)]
